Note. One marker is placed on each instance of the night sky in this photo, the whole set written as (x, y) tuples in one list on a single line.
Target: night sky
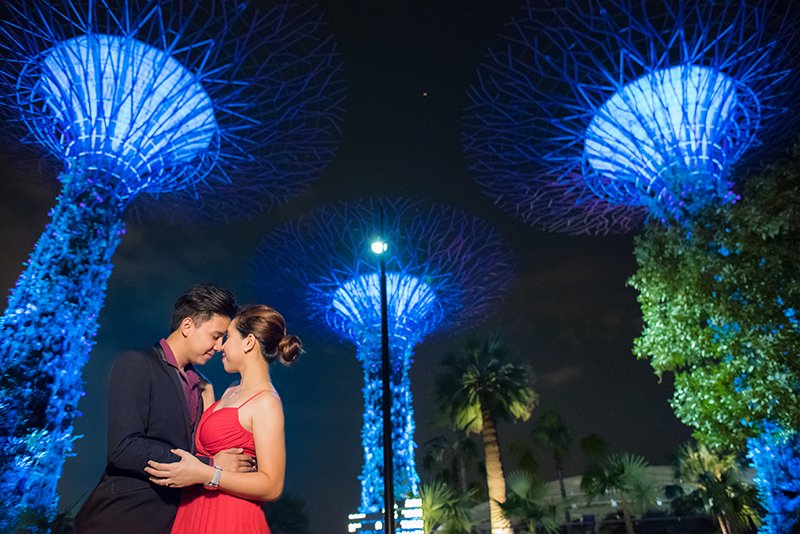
[(570, 314)]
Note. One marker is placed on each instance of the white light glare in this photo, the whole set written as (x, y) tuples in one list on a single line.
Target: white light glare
[(379, 247)]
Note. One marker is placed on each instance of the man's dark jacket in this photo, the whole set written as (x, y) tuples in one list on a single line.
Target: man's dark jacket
[(147, 416)]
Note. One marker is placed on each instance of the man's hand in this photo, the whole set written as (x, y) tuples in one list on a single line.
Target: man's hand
[(235, 460)]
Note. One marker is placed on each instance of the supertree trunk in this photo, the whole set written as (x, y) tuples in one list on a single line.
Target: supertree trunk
[(46, 335), (406, 479)]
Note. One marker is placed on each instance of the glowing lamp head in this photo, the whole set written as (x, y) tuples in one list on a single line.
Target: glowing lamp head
[(669, 138), (124, 108), (379, 247)]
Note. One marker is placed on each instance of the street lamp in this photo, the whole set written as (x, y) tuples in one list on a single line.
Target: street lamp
[(379, 247)]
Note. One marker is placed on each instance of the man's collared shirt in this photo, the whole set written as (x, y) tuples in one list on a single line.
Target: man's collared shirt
[(189, 379)]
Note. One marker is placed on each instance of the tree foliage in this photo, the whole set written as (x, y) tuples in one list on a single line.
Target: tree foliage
[(713, 484), (444, 510), (480, 379), (720, 298), (551, 433), (453, 459), (622, 477), (526, 503)]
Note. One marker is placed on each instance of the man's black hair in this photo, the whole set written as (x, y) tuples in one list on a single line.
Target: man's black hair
[(200, 302)]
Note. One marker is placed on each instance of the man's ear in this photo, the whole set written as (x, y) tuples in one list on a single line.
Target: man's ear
[(186, 327)]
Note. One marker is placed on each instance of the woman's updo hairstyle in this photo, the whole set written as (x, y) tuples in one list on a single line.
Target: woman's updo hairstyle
[(269, 328)]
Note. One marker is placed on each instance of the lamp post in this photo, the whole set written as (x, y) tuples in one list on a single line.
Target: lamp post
[(380, 247)]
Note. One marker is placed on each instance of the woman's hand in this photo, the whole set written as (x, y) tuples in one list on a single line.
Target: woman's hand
[(187, 472)]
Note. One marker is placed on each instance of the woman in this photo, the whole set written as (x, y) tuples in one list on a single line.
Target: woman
[(249, 415)]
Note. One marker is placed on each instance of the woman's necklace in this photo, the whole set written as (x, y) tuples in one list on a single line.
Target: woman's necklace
[(234, 393)]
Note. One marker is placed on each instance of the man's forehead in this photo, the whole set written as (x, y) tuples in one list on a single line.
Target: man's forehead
[(216, 322)]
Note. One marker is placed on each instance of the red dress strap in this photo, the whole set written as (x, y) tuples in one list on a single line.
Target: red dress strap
[(251, 398)]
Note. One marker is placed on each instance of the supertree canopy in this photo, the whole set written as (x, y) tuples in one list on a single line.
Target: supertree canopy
[(137, 97), (444, 269), (596, 114)]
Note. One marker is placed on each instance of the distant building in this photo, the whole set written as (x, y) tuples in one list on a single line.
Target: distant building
[(591, 512)]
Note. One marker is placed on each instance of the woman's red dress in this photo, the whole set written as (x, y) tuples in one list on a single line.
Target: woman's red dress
[(216, 512)]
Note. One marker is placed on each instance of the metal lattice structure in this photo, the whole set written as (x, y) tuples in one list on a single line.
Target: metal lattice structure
[(444, 269), (596, 114), (138, 98)]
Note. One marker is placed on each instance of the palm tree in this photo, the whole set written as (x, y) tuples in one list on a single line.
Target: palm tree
[(523, 457), (443, 510), (623, 477), (595, 450), (550, 432), (526, 502), (716, 488), (451, 459), (477, 387)]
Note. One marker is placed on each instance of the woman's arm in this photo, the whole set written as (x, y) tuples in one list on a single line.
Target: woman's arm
[(265, 484)]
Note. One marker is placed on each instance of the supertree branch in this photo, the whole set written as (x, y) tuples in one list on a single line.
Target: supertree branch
[(444, 269), (594, 115), (137, 98)]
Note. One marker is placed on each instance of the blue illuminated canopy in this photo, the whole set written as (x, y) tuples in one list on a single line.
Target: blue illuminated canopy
[(667, 134), (591, 116), (356, 305), (125, 107)]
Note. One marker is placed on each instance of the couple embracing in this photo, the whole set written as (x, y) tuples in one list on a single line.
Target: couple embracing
[(179, 461)]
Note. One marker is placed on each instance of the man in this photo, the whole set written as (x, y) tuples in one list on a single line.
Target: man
[(155, 399)]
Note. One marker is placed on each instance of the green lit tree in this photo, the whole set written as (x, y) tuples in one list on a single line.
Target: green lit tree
[(594, 448), (623, 478), (452, 459), (720, 300), (551, 433), (478, 386), (444, 510), (712, 483), (526, 503)]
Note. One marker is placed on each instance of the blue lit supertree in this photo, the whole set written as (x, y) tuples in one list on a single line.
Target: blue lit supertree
[(775, 454), (444, 269), (136, 98), (596, 114)]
